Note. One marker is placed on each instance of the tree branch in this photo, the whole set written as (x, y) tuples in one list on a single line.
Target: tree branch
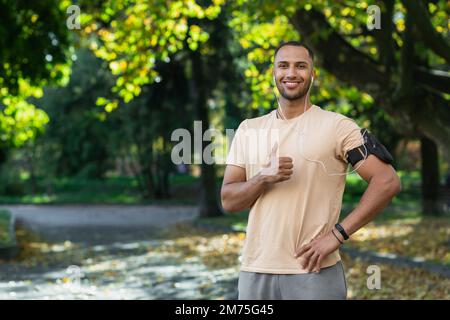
[(405, 86), (422, 110), (435, 79), (432, 118), (383, 36), (429, 35), (337, 55)]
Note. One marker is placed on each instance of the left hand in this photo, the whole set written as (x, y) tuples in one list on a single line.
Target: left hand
[(318, 249)]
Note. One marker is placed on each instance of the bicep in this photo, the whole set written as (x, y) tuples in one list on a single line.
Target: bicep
[(234, 174), (372, 166)]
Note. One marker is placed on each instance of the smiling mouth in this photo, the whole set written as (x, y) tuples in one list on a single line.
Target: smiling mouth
[(291, 84)]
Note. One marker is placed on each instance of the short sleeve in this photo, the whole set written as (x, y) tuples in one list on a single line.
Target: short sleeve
[(348, 137), (236, 154)]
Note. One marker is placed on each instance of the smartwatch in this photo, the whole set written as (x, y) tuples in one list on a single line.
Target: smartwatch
[(341, 231)]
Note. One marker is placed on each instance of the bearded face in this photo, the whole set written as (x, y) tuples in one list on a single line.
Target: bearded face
[(293, 70)]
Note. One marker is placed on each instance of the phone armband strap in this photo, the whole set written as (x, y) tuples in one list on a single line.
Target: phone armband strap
[(372, 146)]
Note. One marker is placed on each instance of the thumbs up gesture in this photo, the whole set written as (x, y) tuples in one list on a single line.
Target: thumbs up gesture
[(277, 169)]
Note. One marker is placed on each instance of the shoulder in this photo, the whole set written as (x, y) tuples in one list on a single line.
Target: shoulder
[(257, 122), (335, 118), (331, 115)]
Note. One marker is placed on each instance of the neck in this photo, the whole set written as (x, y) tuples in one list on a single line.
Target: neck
[(294, 108)]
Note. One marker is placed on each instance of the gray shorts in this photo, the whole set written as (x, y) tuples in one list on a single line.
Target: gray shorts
[(328, 284)]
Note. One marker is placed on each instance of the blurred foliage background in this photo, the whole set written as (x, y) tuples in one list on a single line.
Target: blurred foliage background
[(86, 114)]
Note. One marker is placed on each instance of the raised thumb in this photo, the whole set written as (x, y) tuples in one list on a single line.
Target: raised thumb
[(274, 150)]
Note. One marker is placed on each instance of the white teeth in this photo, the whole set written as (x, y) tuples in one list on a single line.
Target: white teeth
[(291, 84)]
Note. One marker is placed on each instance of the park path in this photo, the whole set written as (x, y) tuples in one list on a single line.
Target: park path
[(110, 252), (114, 252), (95, 222), (129, 270), (100, 215)]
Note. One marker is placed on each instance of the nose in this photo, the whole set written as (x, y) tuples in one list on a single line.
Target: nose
[(291, 72)]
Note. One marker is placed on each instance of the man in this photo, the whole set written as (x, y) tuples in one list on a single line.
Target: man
[(291, 250)]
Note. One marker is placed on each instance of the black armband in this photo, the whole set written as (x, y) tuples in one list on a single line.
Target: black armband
[(371, 146)]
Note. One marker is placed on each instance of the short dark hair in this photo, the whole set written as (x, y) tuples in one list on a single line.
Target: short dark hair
[(296, 44)]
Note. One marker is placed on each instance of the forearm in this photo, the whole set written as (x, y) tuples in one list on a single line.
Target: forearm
[(377, 196), (239, 196)]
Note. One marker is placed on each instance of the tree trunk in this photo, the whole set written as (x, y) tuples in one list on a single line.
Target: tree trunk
[(161, 174), (430, 177), (208, 202), (31, 153)]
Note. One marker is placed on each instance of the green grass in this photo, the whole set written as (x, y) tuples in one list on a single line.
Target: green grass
[(5, 235), (113, 190)]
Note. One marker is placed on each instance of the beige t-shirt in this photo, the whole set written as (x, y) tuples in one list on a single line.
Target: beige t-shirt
[(291, 213)]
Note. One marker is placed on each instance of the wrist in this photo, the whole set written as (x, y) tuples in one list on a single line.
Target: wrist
[(336, 236), (261, 180), (341, 231)]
